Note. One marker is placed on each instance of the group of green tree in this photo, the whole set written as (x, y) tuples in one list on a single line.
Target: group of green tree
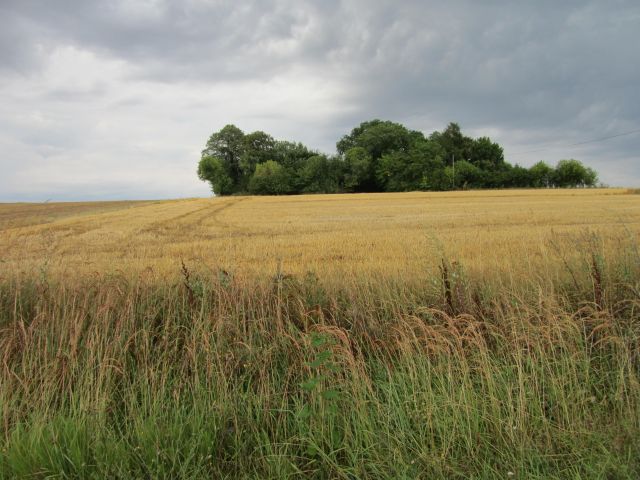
[(377, 156)]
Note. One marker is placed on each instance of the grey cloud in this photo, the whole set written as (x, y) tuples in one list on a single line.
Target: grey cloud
[(532, 74), (20, 52), (172, 41), (66, 94)]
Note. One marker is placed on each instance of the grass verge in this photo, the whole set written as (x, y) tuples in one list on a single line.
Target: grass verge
[(216, 376)]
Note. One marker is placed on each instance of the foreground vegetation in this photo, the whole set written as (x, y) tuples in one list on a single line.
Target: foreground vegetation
[(215, 377), (449, 369)]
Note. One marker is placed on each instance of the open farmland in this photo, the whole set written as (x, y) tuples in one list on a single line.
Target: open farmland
[(404, 234), (410, 335)]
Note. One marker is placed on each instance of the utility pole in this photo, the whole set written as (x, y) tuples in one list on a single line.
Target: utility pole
[(453, 167)]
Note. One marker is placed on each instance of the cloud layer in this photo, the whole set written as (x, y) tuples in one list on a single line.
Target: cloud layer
[(116, 99)]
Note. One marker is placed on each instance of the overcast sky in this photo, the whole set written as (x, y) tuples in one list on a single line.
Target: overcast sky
[(116, 99)]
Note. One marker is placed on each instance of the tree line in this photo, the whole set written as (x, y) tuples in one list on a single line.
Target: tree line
[(376, 156)]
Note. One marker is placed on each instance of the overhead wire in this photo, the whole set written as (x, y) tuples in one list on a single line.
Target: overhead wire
[(578, 143)]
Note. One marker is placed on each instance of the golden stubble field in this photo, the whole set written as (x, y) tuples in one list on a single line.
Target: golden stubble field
[(517, 232)]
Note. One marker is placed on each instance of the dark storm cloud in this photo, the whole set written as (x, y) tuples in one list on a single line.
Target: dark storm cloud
[(513, 64), (137, 79)]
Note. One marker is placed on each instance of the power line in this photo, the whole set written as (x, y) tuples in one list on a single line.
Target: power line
[(578, 143), (606, 138)]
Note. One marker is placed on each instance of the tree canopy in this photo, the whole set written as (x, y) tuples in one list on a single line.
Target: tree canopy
[(376, 156)]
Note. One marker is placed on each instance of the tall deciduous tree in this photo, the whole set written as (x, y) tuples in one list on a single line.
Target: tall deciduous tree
[(213, 170), (377, 138), (402, 171), (258, 147), (454, 144), (541, 175), (320, 174), (485, 154), (571, 173), (227, 145), (357, 169)]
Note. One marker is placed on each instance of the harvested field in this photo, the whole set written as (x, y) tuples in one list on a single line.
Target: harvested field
[(415, 335)]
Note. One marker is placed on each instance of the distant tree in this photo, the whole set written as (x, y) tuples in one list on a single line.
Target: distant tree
[(391, 172), (454, 144), (312, 174), (375, 156), (405, 170), (377, 138), (516, 177), (259, 144), (213, 170), (357, 169), (591, 177), (485, 154), (270, 178), (258, 147), (292, 156), (320, 175), (541, 175), (438, 179), (467, 175), (228, 146), (336, 173), (571, 173)]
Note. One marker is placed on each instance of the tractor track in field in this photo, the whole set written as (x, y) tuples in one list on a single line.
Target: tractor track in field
[(209, 212), (226, 206)]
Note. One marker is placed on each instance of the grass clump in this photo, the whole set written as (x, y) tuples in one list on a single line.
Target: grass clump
[(226, 377)]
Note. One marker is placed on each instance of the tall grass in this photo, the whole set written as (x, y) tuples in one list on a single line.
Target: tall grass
[(217, 376)]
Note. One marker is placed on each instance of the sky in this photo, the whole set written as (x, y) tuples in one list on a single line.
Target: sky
[(103, 99)]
